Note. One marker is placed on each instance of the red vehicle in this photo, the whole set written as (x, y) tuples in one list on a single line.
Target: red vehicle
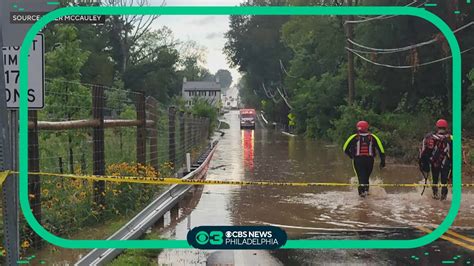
[(248, 118)]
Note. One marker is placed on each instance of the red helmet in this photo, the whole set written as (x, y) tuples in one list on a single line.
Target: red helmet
[(362, 126), (442, 123)]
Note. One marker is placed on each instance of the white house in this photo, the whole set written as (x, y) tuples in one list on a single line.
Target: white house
[(208, 90)]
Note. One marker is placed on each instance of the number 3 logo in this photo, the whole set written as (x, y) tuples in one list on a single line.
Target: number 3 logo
[(216, 238)]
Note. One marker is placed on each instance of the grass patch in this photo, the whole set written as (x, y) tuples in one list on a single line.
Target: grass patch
[(138, 256), (224, 125), (52, 254)]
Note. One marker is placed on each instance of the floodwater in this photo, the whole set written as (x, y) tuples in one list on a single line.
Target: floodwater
[(303, 212)]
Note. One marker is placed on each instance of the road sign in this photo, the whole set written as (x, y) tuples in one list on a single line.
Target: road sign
[(11, 60)]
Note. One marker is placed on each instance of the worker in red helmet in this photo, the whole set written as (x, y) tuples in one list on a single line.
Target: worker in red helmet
[(435, 156), (361, 148)]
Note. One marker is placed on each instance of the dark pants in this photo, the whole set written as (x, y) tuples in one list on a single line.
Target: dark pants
[(363, 166), (442, 172)]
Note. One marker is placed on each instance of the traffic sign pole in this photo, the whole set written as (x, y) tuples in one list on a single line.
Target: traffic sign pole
[(10, 186), (12, 35)]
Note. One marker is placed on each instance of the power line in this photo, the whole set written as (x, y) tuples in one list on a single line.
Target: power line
[(284, 70), (404, 66), (406, 48), (381, 16), (284, 99), (269, 95), (272, 96)]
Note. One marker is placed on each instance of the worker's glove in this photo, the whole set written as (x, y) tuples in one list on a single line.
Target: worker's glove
[(382, 164)]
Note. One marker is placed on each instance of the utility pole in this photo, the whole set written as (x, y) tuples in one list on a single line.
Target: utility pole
[(350, 57)]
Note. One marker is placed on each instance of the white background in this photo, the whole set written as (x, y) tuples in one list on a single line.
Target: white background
[(35, 74)]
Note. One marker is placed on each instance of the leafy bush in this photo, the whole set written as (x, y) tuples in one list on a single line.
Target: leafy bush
[(400, 133), (344, 126), (468, 112), (317, 103), (68, 205), (433, 106), (202, 108)]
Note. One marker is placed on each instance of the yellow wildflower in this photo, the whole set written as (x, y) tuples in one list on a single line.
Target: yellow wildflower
[(25, 244)]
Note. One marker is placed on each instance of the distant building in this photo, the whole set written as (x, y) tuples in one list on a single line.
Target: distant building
[(208, 90)]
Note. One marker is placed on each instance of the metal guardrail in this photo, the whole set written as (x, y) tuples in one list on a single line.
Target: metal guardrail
[(138, 225)]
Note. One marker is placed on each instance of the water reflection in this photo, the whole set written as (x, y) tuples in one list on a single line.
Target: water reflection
[(267, 155), (248, 148)]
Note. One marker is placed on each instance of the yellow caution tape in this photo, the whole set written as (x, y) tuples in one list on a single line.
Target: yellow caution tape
[(172, 181), (3, 176)]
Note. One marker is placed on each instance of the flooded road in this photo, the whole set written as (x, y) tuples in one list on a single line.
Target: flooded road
[(308, 212)]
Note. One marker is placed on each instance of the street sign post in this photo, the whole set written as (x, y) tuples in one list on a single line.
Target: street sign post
[(9, 188), (11, 59), (11, 38)]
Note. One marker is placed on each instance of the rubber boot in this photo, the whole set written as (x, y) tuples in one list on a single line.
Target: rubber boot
[(443, 196), (444, 193)]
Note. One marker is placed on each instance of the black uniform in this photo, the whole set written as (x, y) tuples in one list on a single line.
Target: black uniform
[(361, 149), (435, 155)]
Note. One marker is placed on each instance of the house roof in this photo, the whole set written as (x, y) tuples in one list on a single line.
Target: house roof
[(201, 85)]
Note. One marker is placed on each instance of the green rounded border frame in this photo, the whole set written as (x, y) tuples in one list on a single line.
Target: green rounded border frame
[(222, 10)]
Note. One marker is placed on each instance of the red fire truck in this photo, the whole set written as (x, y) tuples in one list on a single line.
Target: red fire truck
[(248, 118)]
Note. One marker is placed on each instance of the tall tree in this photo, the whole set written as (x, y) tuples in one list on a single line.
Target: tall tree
[(126, 31), (67, 99), (193, 71), (99, 67), (254, 47), (225, 78), (158, 78)]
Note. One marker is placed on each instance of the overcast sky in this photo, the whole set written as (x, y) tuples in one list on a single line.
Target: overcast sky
[(208, 31)]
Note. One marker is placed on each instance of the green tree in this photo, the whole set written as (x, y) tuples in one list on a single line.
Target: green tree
[(126, 32), (225, 78), (254, 47), (66, 98), (193, 71), (468, 112), (203, 108), (99, 67), (63, 66), (157, 78), (247, 94)]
